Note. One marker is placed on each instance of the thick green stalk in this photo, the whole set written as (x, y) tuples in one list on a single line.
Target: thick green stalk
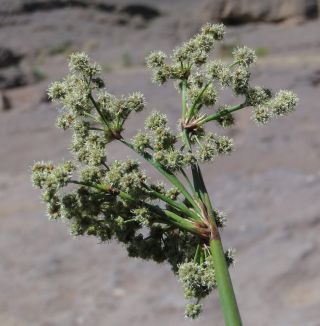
[(227, 297), (225, 289)]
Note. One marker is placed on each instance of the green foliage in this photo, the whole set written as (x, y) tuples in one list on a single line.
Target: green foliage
[(39, 74), (116, 199), (262, 51), (60, 48), (126, 60)]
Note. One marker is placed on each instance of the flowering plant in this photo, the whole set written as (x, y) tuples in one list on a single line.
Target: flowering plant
[(117, 200)]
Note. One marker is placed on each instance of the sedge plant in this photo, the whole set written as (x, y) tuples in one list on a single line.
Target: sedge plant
[(175, 221)]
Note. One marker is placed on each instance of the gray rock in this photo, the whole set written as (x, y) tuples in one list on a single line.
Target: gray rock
[(233, 12), (8, 57), (12, 78)]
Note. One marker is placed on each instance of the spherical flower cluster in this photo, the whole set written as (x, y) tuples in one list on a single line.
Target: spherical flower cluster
[(261, 115), (47, 176), (156, 59), (257, 96), (192, 310), (156, 120), (284, 103), (244, 56), (240, 80), (226, 119), (207, 98), (213, 145), (198, 280), (194, 52), (230, 256), (217, 31), (141, 141), (220, 218), (80, 63), (217, 70)]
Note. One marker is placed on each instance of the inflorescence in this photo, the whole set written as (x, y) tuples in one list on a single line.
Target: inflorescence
[(116, 199)]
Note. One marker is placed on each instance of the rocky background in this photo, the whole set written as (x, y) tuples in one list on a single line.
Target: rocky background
[(270, 186)]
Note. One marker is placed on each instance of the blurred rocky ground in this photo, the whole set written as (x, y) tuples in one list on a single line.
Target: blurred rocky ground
[(270, 186)]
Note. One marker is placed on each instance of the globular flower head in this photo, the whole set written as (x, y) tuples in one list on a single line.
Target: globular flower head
[(207, 150), (40, 172), (213, 145), (207, 98), (57, 91), (217, 70), (217, 31), (156, 120), (171, 159), (220, 218), (192, 310), (91, 174), (156, 59), (141, 141), (164, 139), (284, 103), (142, 215), (244, 56), (160, 76), (224, 144), (65, 121), (261, 115), (226, 118), (230, 256), (135, 102), (80, 63), (54, 208), (240, 80), (198, 280), (257, 96), (47, 176), (197, 79)]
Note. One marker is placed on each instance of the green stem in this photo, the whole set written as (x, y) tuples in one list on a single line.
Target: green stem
[(184, 102), (222, 113), (194, 105), (177, 205), (167, 174), (188, 182), (225, 289), (96, 105), (194, 173), (167, 216), (233, 64)]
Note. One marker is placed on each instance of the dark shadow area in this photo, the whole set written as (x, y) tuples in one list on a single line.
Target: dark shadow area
[(35, 6), (146, 12)]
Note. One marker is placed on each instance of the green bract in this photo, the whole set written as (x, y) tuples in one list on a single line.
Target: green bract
[(117, 200)]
